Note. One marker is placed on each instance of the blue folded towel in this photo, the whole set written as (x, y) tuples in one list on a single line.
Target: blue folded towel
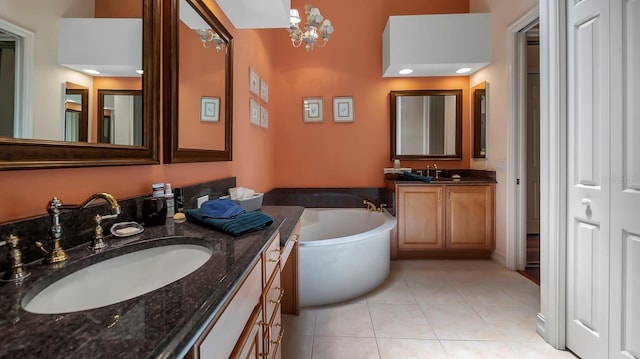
[(241, 224), (220, 208), (408, 176)]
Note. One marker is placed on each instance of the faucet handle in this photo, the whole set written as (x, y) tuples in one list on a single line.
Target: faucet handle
[(16, 271), (381, 207)]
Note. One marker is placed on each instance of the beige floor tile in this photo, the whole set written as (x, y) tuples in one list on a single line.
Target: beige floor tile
[(410, 349), (538, 349), (344, 348), (392, 291), (512, 323), (400, 321), (486, 295), (477, 350), (297, 346), (302, 324), (457, 322), (435, 295), (351, 320)]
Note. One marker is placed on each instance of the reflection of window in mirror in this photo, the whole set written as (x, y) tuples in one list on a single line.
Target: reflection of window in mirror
[(120, 117), (479, 120), (76, 113), (7, 80)]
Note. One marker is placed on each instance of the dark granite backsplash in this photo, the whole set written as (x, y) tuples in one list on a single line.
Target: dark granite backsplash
[(78, 225)]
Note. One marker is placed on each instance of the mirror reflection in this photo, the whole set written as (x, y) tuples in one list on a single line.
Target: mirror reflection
[(201, 60), (76, 112), (426, 124), (31, 86), (120, 117)]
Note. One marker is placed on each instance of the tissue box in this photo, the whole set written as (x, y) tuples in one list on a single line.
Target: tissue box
[(250, 204)]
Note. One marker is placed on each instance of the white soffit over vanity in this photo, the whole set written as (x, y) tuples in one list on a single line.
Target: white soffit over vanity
[(257, 14), (436, 45), (111, 46)]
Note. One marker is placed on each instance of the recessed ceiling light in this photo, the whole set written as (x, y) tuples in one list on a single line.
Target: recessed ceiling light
[(405, 71), (90, 71), (463, 70), (140, 71)]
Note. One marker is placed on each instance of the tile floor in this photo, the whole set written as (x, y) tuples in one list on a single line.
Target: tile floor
[(427, 309)]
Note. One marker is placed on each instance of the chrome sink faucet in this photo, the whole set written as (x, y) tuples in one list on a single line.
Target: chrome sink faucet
[(435, 168), (57, 254)]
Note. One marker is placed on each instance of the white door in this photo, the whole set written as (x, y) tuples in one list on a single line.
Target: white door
[(625, 180), (588, 109)]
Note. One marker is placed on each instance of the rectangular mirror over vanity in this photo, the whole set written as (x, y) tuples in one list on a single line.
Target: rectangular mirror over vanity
[(426, 124)]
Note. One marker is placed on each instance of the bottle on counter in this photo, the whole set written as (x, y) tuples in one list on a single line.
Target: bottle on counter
[(169, 197)]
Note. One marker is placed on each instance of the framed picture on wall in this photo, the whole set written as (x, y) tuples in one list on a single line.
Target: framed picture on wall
[(264, 117), (254, 82), (312, 109), (343, 109), (264, 91), (210, 109), (254, 112)]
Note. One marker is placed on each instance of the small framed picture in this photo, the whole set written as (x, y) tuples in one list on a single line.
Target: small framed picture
[(254, 82), (264, 117), (264, 91), (312, 109), (343, 109), (254, 112), (210, 109)]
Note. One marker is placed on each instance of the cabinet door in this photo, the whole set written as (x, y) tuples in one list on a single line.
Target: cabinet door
[(420, 217), (469, 217), (249, 346)]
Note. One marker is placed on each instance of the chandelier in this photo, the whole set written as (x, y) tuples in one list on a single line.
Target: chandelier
[(313, 29), (208, 37)]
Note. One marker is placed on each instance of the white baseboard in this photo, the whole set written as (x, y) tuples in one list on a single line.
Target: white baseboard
[(540, 327), (499, 258)]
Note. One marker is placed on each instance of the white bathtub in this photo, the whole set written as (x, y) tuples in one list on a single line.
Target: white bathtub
[(344, 253)]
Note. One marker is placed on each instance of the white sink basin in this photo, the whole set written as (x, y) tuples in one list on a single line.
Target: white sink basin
[(118, 279)]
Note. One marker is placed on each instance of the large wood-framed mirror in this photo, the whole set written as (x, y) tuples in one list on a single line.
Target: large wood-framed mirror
[(480, 111), (34, 147), (197, 63), (426, 124)]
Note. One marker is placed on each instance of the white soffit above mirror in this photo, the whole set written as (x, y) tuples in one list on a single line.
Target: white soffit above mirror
[(111, 46), (436, 45), (257, 14)]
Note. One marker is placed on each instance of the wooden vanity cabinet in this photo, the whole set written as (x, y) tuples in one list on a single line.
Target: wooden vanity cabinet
[(445, 221), (250, 326)]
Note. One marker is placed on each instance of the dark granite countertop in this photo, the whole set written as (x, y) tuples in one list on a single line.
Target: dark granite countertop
[(449, 181), (159, 324)]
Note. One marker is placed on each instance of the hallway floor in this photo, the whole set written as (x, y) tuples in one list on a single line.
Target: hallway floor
[(427, 309)]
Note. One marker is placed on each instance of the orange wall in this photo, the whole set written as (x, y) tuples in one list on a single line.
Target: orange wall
[(348, 154), (289, 153)]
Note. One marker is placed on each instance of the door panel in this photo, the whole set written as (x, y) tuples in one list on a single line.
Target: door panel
[(420, 214), (625, 180), (589, 120)]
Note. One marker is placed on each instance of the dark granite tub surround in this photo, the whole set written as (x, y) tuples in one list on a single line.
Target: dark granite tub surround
[(162, 323), (326, 197)]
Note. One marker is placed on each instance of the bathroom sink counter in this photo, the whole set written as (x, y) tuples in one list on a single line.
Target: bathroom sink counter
[(163, 323)]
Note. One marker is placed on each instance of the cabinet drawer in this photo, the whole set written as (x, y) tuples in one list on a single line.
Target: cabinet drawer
[(271, 258), (273, 295), (276, 331)]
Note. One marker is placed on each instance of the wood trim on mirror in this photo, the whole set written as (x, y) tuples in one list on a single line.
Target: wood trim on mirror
[(172, 152), (16, 153), (458, 148)]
